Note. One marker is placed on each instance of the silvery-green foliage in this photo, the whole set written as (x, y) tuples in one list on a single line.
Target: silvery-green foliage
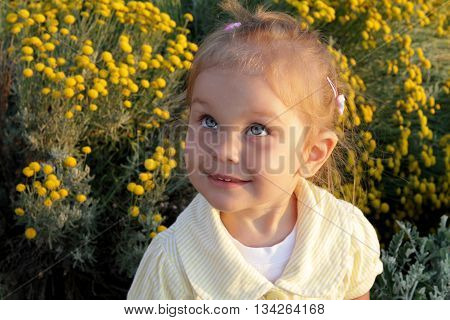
[(415, 267)]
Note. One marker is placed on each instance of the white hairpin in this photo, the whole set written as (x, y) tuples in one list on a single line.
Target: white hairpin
[(340, 98)]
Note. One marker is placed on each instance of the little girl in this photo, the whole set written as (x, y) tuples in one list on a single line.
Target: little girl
[(264, 105)]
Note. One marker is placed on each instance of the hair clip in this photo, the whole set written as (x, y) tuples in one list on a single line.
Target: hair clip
[(232, 25), (340, 98)]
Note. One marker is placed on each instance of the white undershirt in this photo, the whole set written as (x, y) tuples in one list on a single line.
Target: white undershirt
[(269, 261)]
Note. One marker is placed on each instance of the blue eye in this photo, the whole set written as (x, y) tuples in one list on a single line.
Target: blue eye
[(208, 122), (258, 130)]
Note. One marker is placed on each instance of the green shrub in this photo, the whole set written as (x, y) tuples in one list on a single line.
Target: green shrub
[(415, 267)]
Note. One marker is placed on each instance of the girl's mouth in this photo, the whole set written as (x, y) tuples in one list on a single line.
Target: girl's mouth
[(226, 181)]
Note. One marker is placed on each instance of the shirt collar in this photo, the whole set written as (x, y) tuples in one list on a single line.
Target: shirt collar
[(217, 270)]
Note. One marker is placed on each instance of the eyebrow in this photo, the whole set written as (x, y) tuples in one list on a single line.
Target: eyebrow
[(261, 113)]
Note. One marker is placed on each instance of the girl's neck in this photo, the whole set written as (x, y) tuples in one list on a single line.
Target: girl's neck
[(266, 228)]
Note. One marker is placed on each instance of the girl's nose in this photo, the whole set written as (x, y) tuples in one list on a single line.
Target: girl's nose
[(227, 147)]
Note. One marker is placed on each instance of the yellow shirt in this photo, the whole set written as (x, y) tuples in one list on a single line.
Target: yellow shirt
[(336, 256)]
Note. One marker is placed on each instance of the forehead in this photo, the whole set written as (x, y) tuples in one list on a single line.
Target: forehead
[(224, 89)]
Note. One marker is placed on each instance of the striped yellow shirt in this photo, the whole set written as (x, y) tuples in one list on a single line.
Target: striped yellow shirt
[(336, 256)]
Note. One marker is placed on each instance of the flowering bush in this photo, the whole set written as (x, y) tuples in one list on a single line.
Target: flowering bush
[(88, 106)]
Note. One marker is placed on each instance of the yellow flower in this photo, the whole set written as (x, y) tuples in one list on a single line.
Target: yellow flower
[(166, 168), (125, 46), (145, 83), (42, 192), (86, 150), (49, 46), (69, 19), (127, 103), (48, 202), (161, 228), (138, 190), (158, 156), (165, 114), (26, 58), (20, 187), (30, 233), (51, 184), (26, 50), (149, 185), (175, 59), (11, 17), (64, 31), (144, 176), (157, 217), (63, 193), (69, 115), (131, 186), (155, 63), (71, 82), (418, 198), (146, 48), (171, 151), (150, 164), (87, 50), (25, 14), (172, 163), (161, 82), (54, 195), (193, 47), (93, 107), (107, 56), (152, 234), (35, 166), (39, 18), (93, 94), (143, 65), (28, 72), (70, 162), (134, 211), (27, 171), (188, 17), (79, 78), (39, 67), (189, 56), (384, 207), (16, 29), (19, 211), (81, 198), (69, 93), (157, 111)]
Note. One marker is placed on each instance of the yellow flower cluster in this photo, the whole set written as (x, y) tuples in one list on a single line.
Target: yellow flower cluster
[(161, 163), (87, 79), (49, 186)]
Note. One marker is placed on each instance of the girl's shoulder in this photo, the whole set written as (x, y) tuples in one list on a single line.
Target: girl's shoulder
[(160, 274)]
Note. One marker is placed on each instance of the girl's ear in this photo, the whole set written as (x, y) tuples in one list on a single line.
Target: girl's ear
[(320, 148)]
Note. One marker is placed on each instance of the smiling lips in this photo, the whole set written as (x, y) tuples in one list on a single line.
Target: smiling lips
[(227, 178)]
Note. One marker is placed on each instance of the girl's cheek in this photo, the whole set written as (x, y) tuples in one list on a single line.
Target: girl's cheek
[(258, 153)]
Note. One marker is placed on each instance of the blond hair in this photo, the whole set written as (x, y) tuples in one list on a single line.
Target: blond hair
[(294, 62)]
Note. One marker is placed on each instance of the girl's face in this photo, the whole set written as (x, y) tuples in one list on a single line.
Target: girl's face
[(239, 129)]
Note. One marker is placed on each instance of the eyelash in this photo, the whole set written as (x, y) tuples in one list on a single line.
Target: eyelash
[(203, 116)]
